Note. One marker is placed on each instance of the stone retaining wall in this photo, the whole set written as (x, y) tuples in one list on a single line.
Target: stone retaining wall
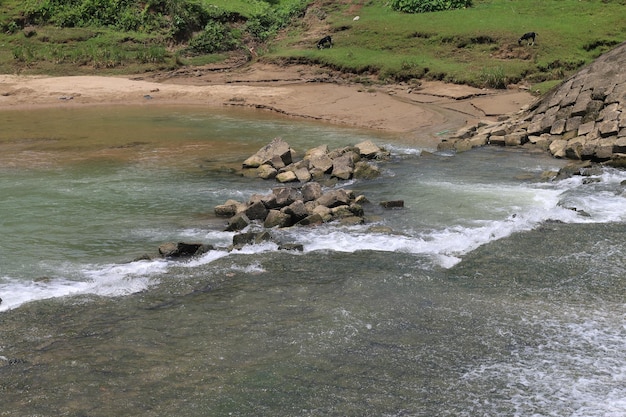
[(584, 118)]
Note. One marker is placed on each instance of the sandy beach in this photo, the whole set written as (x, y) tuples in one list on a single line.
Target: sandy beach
[(297, 91)]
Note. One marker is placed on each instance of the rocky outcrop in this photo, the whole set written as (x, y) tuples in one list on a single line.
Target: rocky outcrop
[(583, 119), (278, 161)]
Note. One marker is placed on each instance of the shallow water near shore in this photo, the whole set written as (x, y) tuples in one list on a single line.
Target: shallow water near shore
[(488, 294)]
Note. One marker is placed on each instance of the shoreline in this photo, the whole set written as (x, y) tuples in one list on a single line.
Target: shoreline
[(295, 91)]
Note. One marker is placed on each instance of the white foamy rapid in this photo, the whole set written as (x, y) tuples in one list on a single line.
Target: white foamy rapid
[(439, 230), (507, 209), (106, 280), (114, 280)]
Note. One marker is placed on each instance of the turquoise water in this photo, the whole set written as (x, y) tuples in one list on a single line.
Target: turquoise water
[(486, 295)]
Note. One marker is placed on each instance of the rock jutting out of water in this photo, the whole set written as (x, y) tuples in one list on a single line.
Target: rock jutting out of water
[(273, 211)]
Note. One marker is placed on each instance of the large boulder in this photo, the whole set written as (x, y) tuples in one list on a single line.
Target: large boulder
[(277, 218), (250, 238), (237, 222), (311, 191), (368, 149), (313, 219), (296, 210), (365, 170), (323, 163), (321, 150), (256, 211), (277, 152), (286, 195), (286, 176), (229, 208), (343, 166), (334, 198), (266, 172)]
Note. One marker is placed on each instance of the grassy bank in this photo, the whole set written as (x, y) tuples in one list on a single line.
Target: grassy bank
[(476, 45)]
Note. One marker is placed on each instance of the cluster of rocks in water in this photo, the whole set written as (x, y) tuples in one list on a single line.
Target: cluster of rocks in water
[(583, 119), (277, 160), (301, 199)]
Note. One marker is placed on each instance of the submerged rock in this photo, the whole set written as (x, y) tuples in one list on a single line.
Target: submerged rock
[(392, 204)]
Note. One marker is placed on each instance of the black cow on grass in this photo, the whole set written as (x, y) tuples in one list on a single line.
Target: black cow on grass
[(529, 36), (325, 42)]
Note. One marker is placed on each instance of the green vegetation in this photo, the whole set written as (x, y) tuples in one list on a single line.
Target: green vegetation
[(476, 45), (425, 6), (79, 36)]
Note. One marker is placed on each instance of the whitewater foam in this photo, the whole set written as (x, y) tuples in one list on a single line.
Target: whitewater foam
[(453, 219), (111, 280), (108, 280)]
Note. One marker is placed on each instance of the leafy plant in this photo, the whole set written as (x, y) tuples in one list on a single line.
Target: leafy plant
[(266, 24), (24, 54), (423, 6), (216, 37)]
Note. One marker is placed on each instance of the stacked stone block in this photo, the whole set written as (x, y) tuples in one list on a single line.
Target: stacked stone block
[(584, 118)]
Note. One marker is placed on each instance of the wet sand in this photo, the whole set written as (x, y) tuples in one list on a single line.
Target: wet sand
[(297, 91)]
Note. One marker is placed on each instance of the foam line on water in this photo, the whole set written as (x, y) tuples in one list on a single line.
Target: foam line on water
[(106, 280), (507, 209), (110, 280), (445, 246)]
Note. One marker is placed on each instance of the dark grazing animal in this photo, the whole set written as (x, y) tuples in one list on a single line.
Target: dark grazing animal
[(530, 37), (326, 41)]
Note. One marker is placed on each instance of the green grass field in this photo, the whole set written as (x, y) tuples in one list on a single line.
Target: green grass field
[(477, 45)]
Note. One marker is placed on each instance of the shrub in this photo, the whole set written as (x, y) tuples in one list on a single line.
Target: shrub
[(216, 37), (266, 24), (183, 16), (423, 6)]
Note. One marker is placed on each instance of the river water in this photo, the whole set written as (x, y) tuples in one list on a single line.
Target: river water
[(487, 295)]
